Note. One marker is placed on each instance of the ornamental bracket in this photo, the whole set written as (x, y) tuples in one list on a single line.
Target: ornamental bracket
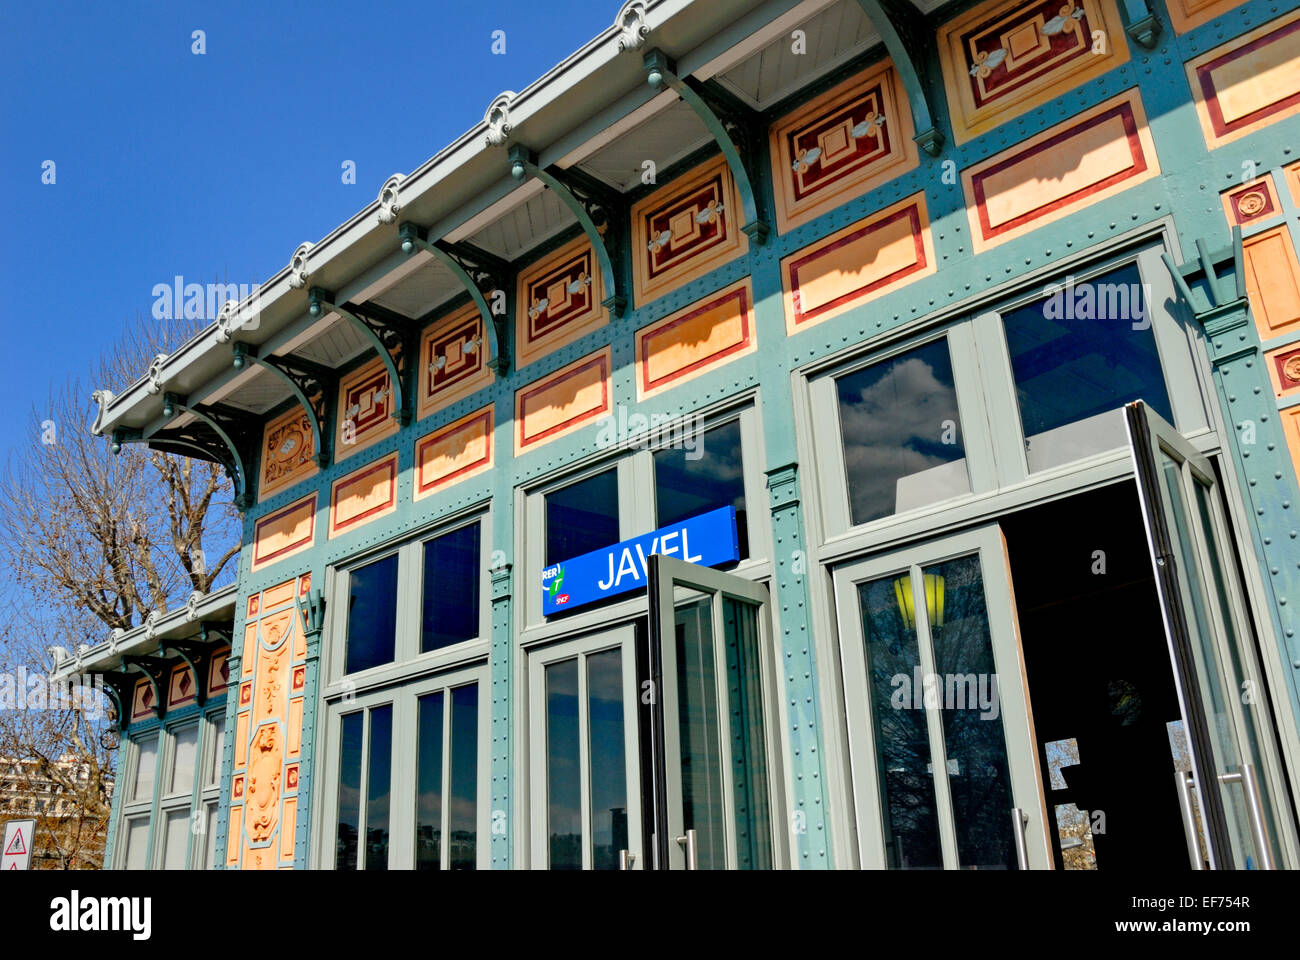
[(312, 612), (1141, 24), (478, 274), (1215, 301), (389, 335), (228, 440), (903, 31), (118, 686), (155, 670), (195, 657), (598, 209), (314, 385), (661, 71)]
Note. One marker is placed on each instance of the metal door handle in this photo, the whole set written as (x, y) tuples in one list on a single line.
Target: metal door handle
[(1250, 786), (692, 850), (625, 859), (1184, 781), (1018, 821)]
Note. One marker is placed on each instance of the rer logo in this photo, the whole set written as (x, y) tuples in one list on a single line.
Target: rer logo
[(556, 585)]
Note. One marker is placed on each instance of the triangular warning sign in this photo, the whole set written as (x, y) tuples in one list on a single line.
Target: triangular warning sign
[(16, 844), (14, 865)]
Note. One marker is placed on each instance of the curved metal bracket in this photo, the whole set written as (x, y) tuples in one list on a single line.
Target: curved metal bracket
[(305, 379), (414, 237), (156, 670), (381, 336), (585, 201), (901, 28), (661, 72), (117, 685), (233, 427)]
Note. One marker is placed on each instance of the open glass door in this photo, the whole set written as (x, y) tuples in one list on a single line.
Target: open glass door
[(716, 790), (1224, 707), (940, 731)]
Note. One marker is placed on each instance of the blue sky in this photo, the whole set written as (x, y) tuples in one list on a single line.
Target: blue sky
[(216, 166)]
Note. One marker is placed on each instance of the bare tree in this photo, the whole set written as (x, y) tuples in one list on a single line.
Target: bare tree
[(94, 542)]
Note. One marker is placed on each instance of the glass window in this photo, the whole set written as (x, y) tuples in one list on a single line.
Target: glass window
[(177, 832), (146, 765), (563, 762), (372, 614), (689, 482), (903, 444), (582, 517), (428, 828), (210, 838), (137, 843), (213, 775), (451, 589), (1077, 357), (345, 857), (379, 778), (184, 759), (463, 811)]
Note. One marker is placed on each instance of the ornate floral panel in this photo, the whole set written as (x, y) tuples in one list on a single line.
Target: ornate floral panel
[(288, 448)]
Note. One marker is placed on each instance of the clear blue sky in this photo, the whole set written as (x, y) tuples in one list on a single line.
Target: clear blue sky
[(216, 167)]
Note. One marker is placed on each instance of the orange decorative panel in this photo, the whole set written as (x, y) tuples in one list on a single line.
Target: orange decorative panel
[(1096, 154), (219, 671), (558, 301), (290, 823), (250, 638), (288, 448), (366, 412), (1292, 177), (685, 229), (233, 834), (455, 452), (1272, 281), (841, 145), (1284, 369), (1186, 14), (453, 359), (1291, 427), (181, 688), (1251, 202), (295, 726), (694, 340), (287, 531), (563, 402), (253, 603), (859, 263), (241, 739), (1006, 57), (1249, 82), (143, 703), (278, 596), (364, 495)]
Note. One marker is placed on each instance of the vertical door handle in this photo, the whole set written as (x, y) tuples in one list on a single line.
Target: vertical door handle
[(692, 850), (1018, 821), (1250, 786), (1184, 781), (625, 859)]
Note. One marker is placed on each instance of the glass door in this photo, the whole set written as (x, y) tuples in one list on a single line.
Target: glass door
[(1231, 768), (584, 754), (945, 773), (716, 790)]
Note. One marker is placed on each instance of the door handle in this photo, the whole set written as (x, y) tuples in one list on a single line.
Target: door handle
[(1184, 781), (1250, 786), (1018, 821), (692, 850), (625, 859)]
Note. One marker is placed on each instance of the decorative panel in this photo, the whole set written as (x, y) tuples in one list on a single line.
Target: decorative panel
[(685, 229), (277, 596), (558, 301), (1292, 176), (219, 671), (696, 339), (1284, 369), (268, 721), (1291, 427), (1006, 57), (1251, 202), (563, 402), (285, 532), (1272, 281), (366, 412), (288, 445), (1249, 82), (1187, 14), (453, 359), (452, 453), (181, 688), (1093, 155), (840, 145), (863, 261), (143, 702), (363, 495)]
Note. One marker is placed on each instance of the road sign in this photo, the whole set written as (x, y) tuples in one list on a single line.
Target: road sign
[(17, 849)]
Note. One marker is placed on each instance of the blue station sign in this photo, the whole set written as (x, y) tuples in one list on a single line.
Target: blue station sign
[(708, 539)]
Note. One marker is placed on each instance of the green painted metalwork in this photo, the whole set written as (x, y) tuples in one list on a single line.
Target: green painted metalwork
[(661, 72), (232, 428), (322, 302), (1141, 23), (413, 238), (902, 29), (300, 376)]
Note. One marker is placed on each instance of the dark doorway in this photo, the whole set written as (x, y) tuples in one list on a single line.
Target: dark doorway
[(1100, 682)]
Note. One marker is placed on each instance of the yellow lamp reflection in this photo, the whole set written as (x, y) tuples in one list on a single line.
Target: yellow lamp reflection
[(933, 600)]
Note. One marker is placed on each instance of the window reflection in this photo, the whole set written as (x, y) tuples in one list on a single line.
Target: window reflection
[(379, 779), (582, 517), (609, 828), (903, 446), (563, 760), (463, 829), (372, 614), (451, 589), (345, 856), (428, 828), (694, 481)]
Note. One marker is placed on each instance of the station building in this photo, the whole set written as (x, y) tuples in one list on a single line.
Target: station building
[(789, 434)]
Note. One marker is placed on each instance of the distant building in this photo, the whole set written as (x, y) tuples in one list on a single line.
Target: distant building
[(67, 834)]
